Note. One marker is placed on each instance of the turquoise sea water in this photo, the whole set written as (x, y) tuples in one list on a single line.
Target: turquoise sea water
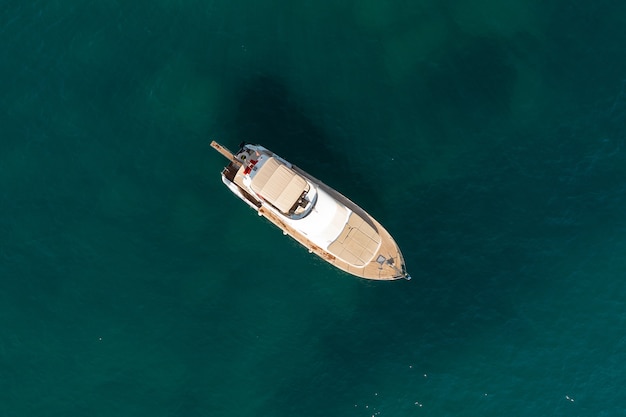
[(488, 137)]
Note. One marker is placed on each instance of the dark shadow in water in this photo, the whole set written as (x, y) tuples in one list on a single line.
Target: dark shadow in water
[(271, 115)]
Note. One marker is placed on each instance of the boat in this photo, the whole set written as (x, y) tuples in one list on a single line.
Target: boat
[(317, 216)]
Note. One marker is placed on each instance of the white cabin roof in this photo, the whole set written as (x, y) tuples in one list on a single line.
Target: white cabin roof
[(339, 230), (325, 221)]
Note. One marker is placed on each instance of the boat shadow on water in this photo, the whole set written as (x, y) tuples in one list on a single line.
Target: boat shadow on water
[(269, 113)]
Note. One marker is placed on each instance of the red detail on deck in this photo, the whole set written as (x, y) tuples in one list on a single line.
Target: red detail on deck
[(250, 166)]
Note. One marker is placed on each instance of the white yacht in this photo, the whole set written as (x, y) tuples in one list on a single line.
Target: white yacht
[(320, 218)]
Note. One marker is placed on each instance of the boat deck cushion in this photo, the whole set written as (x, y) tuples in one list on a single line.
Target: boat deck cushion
[(357, 243), (279, 184)]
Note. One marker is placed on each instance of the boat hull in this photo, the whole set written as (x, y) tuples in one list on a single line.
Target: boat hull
[(382, 261)]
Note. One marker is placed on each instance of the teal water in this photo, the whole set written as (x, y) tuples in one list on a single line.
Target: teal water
[(488, 138)]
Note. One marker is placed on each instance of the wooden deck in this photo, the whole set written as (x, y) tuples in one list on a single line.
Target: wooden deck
[(391, 268), (371, 270), (394, 263)]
